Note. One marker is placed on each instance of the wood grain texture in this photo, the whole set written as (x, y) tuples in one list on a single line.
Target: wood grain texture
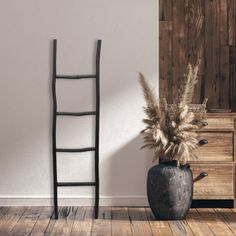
[(203, 31), (212, 51), (166, 59), (219, 148), (3, 211), (102, 226), (232, 55), (180, 43), (116, 221), (180, 228), (219, 122), (233, 86), (215, 222), (10, 219), (139, 222), (120, 221), (197, 224), (165, 10), (224, 97), (83, 222), (63, 225), (196, 43), (232, 22), (158, 227), (217, 185), (234, 170), (224, 27), (195, 32), (42, 223), (229, 218), (27, 221)]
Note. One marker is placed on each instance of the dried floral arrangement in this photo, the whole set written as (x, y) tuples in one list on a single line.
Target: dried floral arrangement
[(171, 129)]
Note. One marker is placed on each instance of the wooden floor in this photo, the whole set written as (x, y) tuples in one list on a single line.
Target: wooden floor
[(113, 221)]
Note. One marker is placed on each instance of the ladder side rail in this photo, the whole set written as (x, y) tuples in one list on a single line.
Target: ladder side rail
[(55, 190), (98, 54)]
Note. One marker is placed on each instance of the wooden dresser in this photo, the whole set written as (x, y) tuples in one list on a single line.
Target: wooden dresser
[(214, 170)]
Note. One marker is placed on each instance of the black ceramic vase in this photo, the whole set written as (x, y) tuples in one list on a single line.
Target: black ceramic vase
[(170, 190)]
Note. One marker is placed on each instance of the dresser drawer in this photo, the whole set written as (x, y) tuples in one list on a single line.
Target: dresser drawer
[(217, 185), (219, 147), (219, 123)]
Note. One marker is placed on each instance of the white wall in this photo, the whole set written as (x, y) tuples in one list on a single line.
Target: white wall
[(129, 33)]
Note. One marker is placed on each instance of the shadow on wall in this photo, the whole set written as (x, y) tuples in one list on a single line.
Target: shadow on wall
[(127, 167)]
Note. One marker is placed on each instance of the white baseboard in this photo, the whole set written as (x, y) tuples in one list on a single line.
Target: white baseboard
[(74, 201)]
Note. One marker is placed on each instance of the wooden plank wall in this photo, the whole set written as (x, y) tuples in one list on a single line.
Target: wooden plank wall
[(201, 31)]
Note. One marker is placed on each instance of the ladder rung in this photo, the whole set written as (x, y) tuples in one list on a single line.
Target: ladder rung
[(86, 113), (75, 76), (76, 149), (71, 184)]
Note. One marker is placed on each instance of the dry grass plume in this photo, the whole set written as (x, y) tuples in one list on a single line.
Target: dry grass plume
[(171, 129)]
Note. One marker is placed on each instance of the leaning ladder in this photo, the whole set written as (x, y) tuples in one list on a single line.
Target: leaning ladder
[(56, 113)]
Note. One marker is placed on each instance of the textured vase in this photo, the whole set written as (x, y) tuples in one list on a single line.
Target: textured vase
[(170, 190)]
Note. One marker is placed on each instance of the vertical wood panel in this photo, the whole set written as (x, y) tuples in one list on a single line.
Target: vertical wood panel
[(196, 36), (224, 78), (233, 86), (232, 52), (208, 47), (196, 43), (180, 43), (232, 21), (212, 52), (165, 10), (165, 59), (223, 22), (205, 31)]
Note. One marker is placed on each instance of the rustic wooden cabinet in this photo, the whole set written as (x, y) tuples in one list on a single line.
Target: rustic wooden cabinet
[(214, 169)]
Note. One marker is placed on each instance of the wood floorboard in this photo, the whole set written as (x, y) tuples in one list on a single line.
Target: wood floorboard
[(139, 222), (215, 222), (158, 227), (83, 222), (64, 224), (10, 219), (229, 218), (102, 225), (26, 222), (42, 223), (120, 224), (198, 226), (180, 228), (113, 221)]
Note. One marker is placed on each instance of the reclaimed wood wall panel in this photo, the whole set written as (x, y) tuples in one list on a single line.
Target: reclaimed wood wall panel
[(224, 99), (165, 58), (232, 21), (195, 42), (165, 10), (180, 42), (203, 32)]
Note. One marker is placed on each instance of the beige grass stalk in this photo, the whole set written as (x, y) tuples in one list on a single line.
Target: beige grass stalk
[(171, 130)]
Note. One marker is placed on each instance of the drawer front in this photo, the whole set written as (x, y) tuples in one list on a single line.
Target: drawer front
[(219, 147), (217, 185), (220, 123)]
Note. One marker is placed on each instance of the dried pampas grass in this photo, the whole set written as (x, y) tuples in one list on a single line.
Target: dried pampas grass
[(171, 129)]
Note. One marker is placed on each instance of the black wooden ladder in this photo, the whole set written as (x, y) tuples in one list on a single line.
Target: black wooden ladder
[(56, 113)]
